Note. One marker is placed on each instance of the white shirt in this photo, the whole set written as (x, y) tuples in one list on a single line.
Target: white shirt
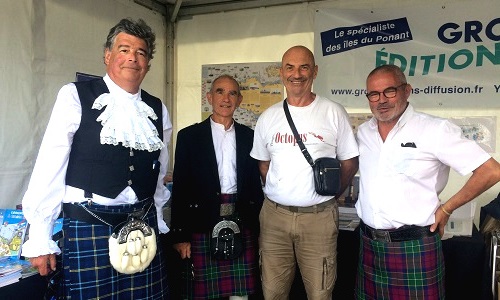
[(225, 152), (47, 189), (400, 185), (326, 132)]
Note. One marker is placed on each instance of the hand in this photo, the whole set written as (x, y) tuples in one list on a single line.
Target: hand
[(44, 263), (441, 220), (184, 249)]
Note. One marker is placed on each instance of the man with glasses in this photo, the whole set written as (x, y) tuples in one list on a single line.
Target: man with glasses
[(405, 159)]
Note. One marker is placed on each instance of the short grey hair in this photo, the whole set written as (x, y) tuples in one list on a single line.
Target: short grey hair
[(138, 29), (392, 69)]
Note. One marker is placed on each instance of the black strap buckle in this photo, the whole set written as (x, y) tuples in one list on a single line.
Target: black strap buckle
[(380, 235)]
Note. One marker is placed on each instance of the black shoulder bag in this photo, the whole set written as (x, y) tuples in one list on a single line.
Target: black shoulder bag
[(326, 170)]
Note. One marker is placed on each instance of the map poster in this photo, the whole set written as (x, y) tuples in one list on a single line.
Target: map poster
[(260, 85)]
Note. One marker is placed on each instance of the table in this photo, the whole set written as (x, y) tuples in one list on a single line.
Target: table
[(466, 263), (32, 288)]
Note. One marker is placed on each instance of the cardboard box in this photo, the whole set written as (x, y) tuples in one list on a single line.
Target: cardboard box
[(461, 220)]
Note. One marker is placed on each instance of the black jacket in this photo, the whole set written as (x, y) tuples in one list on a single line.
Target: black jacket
[(196, 186)]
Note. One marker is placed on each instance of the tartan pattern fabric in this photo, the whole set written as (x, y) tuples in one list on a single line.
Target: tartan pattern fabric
[(223, 278), (88, 273), (400, 270)]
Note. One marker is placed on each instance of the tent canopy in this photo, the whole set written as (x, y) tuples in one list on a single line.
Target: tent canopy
[(176, 9)]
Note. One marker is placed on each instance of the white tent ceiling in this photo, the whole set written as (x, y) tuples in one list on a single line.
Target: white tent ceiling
[(176, 9)]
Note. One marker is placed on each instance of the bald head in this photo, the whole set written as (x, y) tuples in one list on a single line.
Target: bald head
[(299, 50), (225, 76)]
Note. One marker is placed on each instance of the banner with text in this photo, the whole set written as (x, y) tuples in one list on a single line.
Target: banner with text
[(449, 53)]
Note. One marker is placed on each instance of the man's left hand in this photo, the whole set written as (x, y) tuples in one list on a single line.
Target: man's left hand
[(441, 220)]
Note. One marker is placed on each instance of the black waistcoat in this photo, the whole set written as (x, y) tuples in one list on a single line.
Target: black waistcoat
[(106, 169)]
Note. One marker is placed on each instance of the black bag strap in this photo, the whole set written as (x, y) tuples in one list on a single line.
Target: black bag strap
[(303, 148)]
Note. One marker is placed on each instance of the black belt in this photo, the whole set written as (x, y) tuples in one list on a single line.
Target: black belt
[(305, 209), (85, 214), (405, 233)]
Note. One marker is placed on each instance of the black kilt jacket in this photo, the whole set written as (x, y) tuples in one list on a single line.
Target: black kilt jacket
[(196, 189)]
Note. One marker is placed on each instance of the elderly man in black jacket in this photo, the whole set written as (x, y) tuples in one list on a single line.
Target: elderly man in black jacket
[(216, 199)]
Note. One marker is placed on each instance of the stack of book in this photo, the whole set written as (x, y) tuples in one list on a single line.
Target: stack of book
[(10, 270), (348, 218), (12, 232)]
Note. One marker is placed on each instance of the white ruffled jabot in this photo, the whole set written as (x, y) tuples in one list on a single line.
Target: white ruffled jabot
[(125, 121)]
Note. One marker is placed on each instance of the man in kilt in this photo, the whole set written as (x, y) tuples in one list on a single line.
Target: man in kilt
[(404, 163), (215, 180), (102, 162)]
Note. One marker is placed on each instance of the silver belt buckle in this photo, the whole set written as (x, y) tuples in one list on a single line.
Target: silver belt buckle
[(380, 235), (227, 209)]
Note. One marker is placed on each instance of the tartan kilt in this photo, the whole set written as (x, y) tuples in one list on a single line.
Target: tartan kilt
[(222, 278), (87, 271), (400, 270)]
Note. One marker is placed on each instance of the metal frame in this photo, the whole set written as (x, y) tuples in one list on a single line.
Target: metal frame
[(184, 9), (493, 261)]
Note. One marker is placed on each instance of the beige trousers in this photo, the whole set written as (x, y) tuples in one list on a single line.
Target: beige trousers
[(308, 240)]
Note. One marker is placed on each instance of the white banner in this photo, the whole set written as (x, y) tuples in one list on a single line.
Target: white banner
[(450, 53)]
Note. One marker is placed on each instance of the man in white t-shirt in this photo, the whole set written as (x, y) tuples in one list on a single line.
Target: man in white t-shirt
[(297, 224), (405, 159)]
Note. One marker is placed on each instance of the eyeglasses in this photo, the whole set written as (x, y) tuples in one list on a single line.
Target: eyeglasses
[(389, 92)]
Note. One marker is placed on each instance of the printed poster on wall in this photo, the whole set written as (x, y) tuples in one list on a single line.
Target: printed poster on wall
[(449, 52)]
